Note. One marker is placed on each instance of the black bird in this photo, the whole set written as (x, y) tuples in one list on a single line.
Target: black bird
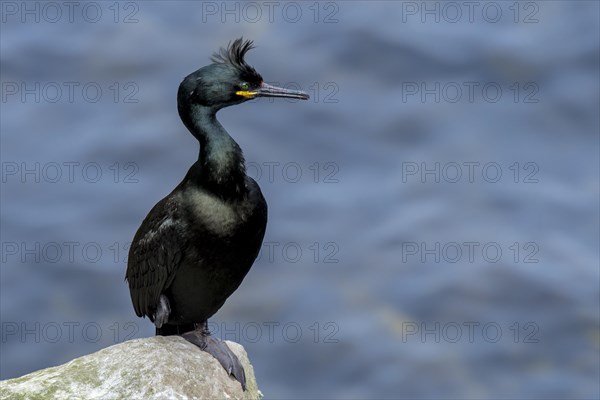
[(196, 245)]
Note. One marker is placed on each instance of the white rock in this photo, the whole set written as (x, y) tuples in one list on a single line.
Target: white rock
[(152, 368)]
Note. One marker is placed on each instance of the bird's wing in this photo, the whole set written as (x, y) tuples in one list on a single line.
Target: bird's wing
[(155, 255)]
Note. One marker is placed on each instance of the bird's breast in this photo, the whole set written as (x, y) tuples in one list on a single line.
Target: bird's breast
[(220, 217)]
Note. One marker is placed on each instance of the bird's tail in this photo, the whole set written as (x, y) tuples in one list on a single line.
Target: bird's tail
[(168, 330)]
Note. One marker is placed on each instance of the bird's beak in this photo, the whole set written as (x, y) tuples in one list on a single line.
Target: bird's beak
[(266, 90)]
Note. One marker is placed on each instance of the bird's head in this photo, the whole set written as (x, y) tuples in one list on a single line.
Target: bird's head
[(229, 80)]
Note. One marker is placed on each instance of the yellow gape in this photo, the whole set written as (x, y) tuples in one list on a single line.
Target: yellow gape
[(245, 93)]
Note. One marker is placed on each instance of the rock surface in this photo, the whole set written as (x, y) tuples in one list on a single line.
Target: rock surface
[(152, 368)]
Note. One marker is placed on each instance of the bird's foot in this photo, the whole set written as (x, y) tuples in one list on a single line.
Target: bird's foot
[(163, 310), (219, 350)]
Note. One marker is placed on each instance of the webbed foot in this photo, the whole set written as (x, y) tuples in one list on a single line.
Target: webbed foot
[(219, 350)]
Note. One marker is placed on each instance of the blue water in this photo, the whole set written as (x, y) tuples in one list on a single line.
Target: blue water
[(433, 209)]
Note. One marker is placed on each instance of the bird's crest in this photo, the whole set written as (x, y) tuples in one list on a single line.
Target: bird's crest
[(234, 55)]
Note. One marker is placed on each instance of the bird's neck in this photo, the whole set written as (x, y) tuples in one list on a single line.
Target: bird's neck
[(220, 166)]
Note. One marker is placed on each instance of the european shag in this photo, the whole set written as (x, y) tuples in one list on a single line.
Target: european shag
[(196, 245)]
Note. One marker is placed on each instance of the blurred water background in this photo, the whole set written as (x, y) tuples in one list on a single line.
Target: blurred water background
[(433, 209)]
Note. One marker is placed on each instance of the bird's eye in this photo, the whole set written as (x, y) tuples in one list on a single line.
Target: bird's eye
[(244, 86)]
